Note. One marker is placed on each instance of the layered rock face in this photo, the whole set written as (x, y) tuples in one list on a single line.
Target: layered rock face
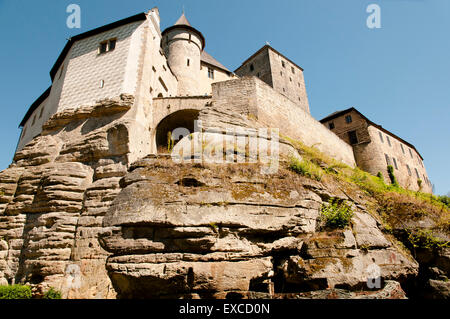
[(201, 231), (54, 197)]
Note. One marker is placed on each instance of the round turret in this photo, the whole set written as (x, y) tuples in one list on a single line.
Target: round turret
[(183, 45)]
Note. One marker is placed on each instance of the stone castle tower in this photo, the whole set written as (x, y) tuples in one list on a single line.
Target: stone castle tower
[(183, 46)]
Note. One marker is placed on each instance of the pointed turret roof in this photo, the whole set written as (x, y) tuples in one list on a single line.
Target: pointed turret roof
[(183, 21)]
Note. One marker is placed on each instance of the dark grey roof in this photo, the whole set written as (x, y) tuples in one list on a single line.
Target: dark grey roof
[(207, 58)]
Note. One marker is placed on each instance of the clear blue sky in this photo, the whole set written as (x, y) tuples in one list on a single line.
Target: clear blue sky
[(398, 76)]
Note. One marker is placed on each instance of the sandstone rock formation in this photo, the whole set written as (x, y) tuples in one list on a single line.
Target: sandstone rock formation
[(80, 214), (189, 230), (54, 197)]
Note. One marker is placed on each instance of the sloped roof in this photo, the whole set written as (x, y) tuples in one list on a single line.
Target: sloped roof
[(138, 17), (183, 21), (337, 114), (207, 58)]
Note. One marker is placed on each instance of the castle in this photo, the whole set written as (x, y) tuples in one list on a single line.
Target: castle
[(172, 79), (92, 206)]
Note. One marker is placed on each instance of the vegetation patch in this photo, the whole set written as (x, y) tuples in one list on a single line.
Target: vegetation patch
[(424, 238), (336, 213), (52, 294), (15, 292), (306, 168)]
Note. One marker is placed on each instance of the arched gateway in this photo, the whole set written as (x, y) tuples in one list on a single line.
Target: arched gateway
[(174, 127)]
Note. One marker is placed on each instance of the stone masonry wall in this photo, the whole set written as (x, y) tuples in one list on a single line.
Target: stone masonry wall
[(371, 148), (251, 102)]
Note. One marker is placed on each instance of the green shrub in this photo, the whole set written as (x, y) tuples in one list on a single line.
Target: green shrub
[(306, 168), (52, 294), (336, 213), (392, 176), (444, 199), (15, 292), (424, 238), (419, 183), (380, 176)]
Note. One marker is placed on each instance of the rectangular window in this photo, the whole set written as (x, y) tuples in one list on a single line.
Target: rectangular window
[(348, 119), (153, 68), (24, 131), (381, 137), (417, 173), (112, 44), (188, 62), (252, 68), (388, 160), (103, 47), (409, 169), (353, 137), (403, 149), (410, 153), (211, 73), (42, 112), (283, 64), (163, 84), (34, 120), (107, 46), (293, 70), (331, 125), (389, 140), (395, 163)]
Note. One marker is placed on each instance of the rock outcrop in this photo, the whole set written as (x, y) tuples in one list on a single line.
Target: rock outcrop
[(54, 196), (79, 214), (196, 231)]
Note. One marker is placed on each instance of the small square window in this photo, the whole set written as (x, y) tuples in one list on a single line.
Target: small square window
[(348, 119), (331, 125)]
